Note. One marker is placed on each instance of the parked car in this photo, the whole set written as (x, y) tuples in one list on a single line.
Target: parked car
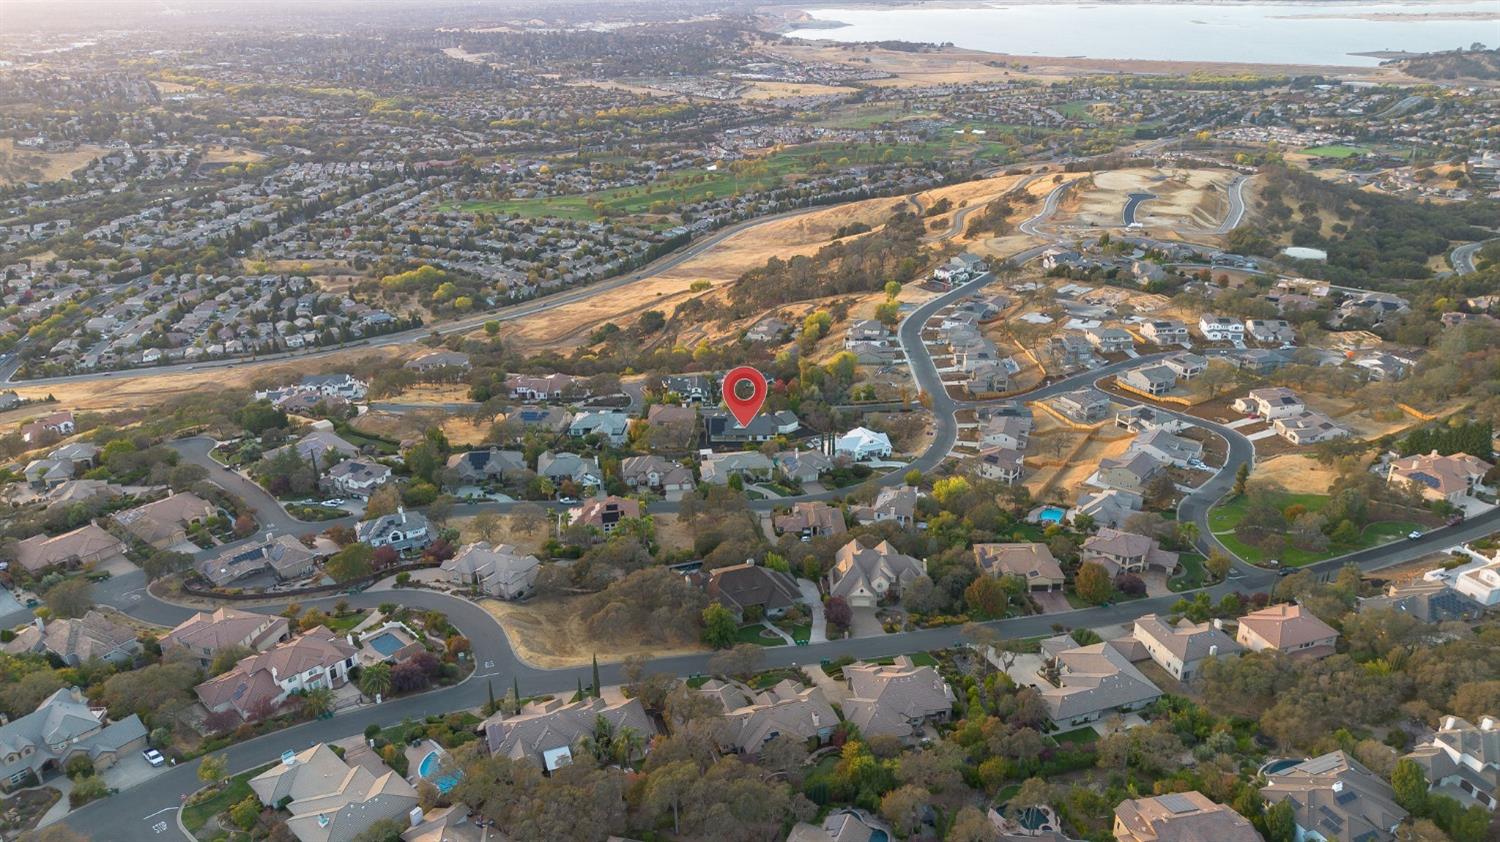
[(1414, 534), (153, 757)]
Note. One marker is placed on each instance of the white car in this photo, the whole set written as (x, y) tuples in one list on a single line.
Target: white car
[(567, 501), (153, 757), (334, 503)]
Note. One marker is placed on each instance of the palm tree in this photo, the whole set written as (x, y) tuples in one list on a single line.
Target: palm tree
[(375, 680), (317, 701), (627, 745)]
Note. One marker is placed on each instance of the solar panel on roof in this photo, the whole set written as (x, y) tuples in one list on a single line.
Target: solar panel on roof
[(1346, 796), (1177, 803)]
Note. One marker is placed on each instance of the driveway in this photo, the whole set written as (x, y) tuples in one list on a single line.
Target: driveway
[(814, 600), (130, 770), (834, 691), (1051, 602), (865, 623), (1156, 583)]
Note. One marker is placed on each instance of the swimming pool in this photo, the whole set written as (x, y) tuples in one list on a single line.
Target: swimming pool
[(429, 769), (385, 643), (1050, 514)]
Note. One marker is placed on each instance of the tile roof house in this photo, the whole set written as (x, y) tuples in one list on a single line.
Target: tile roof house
[(282, 555), (655, 473), (739, 587), (163, 524), (1180, 817), (487, 465), (895, 699), (205, 634), (753, 718), (862, 444), (85, 545), (1463, 760), (545, 732), (893, 503), (356, 477), (403, 531), (1168, 447), (259, 682), (61, 728), (1286, 628), (1182, 648), (1119, 552), (1336, 799), (862, 575), (1085, 683), (75, 641), (1110, 507), (331, 800), (55, 423), (604, 514), (813, 518), (1436, 477), (717, 468), (501, 570), (1032, 562)]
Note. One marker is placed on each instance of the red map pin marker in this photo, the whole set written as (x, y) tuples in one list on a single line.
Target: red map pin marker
[(744, 409)]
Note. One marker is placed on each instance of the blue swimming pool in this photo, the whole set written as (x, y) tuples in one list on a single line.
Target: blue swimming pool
[(1051, 514), (385, 643), (429, 769)]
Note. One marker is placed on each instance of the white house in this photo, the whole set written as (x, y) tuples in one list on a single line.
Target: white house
[(1221, 328), (861, 444)]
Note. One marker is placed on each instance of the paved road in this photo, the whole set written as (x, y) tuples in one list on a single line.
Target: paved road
[(1133, 203), (1236, 212), (1463, 257)]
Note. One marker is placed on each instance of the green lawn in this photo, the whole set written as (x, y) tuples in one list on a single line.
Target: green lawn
[(922, 659), (1077, 110), (1080, 735), (752, 634), (1193, 573), (1224, 518), (1335, 151), (194, 816), (341, 625)]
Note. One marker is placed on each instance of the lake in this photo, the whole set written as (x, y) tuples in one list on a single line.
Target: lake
[(1260, 33)]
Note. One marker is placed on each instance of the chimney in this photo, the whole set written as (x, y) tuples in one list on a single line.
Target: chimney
[(40, 624), (1488, 724), (1213, 650), (1449, 722), (1219, 623), (1338, 786)]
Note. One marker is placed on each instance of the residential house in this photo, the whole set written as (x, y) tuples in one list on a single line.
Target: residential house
[(1070, 351), (47, 474), (811, 519), (986, 378), (499, 570), (1336, 799), (614, 427), (862, 444), (545, 732), (260, 682), (342, 385), (1167, 447), (1110, 340), (1370, 307), (570, 467), (356, 478), (489, 465), (1081, 684), (769, 329), (435, 361), (319, 448), (1428, 602), (1260, 361), (1308, 428), (1382, 366), (1186, 366), (206, 633), (84, 546), (863, 575), (999, 464), (692, 388), (1012, 432), (1271, 331), (1139, 419), (1450, 478), (1480, 583), (164, 523), (1462, 760), (1221, 328), (802, 466), (1271, 403), (753, 718), (893, 503), (656, 474), (52, 424), (1286, 628), (331, 800), (1130, 471), (722, 428), (550, 419), (1126, 552), (1153, 380), (551, 387), (77, 641), (866, 330), (1181, 649), (1180, 817), (604, 513), (1086, 406), (403, 531), (1032, 562), (897, 699), (63, 726), (751, 587), (750, 465), (1110, 507), (281, 555), (1164, 332)]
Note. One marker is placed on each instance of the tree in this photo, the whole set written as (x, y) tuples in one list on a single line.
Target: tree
[(317, 701), (70, 598), (1241, 479), (375, 680), (1281, 822), (528, 518), (1217, 563), (383, 501), (246, 813), (213, 768), (350, 563), (986, 598), (719, 626), (838, 613), (165, 562), (742, 661), (902, 808), (972, 825), (1093, 584), (86, 789), (1410, 784), (666, 788)]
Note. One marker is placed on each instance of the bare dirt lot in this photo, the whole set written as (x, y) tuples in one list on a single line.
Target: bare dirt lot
[(1061, 457), (18, 165), (788, 90), (1295, 472), (1185, 198), (549, 633), (460, 429)]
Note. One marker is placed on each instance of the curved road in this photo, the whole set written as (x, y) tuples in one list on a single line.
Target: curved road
[(1463, 256), (1133, 203), (1236, 212)]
